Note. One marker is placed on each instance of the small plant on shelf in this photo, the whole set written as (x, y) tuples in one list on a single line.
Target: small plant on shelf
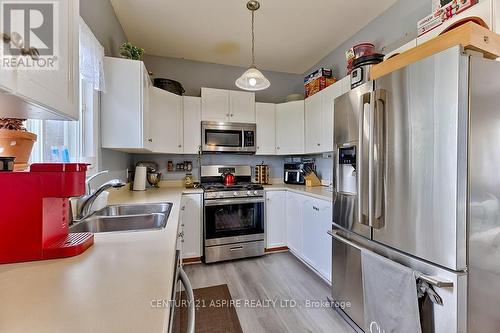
[(130, 51)]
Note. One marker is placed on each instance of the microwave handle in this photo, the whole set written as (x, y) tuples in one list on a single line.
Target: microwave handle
[(286, 176)]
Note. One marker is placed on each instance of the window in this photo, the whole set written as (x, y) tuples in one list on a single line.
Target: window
[(75, 141), (77, 138)]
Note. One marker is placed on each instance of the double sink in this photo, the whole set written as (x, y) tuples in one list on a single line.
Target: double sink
[(129, 217)]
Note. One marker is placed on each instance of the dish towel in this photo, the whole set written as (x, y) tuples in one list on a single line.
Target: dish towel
[(390, 296)]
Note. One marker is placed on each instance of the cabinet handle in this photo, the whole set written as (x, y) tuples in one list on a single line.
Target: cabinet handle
[(183, 208), (180, 146), (150, 140), (319, 144), (227, 114), (278, 148), (316, 208), (232, 115)]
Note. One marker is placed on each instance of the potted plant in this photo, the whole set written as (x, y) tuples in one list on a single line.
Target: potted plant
[(130, 51), (16, 141)]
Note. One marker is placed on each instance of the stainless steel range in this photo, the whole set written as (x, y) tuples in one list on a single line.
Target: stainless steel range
[(233, 214)]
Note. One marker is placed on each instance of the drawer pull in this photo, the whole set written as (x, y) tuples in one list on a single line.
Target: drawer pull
[(236, 248)]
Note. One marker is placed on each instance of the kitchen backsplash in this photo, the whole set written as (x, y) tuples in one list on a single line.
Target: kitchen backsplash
[(275, 163), (324, 164)]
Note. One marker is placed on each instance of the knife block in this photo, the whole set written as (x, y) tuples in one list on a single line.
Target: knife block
[(312, 180)]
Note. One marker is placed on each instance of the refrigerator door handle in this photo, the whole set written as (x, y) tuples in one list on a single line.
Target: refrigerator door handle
[(362, 193), (432, 280), (377, 159)]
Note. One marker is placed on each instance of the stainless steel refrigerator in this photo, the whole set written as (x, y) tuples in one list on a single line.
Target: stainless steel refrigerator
[(418, 181)]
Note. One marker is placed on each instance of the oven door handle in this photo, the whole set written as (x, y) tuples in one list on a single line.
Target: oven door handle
[(191, 301), (224, 202)]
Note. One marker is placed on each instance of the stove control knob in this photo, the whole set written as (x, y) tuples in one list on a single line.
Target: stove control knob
[(255, 192), (235, 194), (249, 192)]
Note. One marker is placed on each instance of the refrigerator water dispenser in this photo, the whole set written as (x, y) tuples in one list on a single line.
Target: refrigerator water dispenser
[(346, 170)]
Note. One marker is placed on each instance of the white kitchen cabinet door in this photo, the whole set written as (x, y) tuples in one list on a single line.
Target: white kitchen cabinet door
[(241, 107), (214, 104), (265, 115), (327, 108), (313, 123), (317, 250), (166, 121), (290, 128), (125, 120), (275, 219), (346, 84), (192, 124), (56, 90), (324, 239), (191, 225), (294, 220)]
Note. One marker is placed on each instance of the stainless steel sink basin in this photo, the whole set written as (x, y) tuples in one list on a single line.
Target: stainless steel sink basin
[(135, 209), (125, 218)]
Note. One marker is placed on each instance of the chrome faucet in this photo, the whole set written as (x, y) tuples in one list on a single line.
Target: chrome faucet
[(85, 202)]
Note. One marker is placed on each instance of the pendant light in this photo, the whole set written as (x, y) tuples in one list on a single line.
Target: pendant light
[(253, 79)]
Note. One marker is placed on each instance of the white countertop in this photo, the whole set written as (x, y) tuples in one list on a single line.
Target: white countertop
[(318, 192), (109, 288)]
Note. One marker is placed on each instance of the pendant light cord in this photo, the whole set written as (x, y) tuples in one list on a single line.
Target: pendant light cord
[(253, 39)]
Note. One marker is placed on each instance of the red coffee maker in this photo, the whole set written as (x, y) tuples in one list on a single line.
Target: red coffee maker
[(35, 211)]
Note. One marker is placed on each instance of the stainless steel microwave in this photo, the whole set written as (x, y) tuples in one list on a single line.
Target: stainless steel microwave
[(220, 137)]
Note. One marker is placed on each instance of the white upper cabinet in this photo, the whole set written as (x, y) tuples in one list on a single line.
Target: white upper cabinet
[(313, 123), (265, 115), (241, 107), (214, 104), (319, 110), (346, 84), (192, 124), (227, 105), (166, 121), (327, 110), (275, 219), (290, 128), (125, 113), (54, 90)]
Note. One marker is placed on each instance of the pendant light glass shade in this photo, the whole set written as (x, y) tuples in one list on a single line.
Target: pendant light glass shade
[(253, 80)]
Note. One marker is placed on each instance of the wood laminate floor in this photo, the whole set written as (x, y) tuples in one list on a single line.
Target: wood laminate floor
[(279, 277)]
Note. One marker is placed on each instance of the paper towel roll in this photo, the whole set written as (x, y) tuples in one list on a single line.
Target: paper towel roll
[(140, 178)]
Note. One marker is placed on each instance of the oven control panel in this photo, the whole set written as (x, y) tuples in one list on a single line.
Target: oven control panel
[(234, 194)]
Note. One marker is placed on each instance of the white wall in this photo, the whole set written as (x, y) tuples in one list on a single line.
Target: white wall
[(195, 74)]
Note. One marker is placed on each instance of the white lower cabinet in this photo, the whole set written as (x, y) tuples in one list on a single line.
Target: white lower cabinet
[(275, 219), (307, 222), (317, 243), (294, 222), (191, 225)]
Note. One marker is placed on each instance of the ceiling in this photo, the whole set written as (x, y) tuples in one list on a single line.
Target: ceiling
[(291, 35)]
